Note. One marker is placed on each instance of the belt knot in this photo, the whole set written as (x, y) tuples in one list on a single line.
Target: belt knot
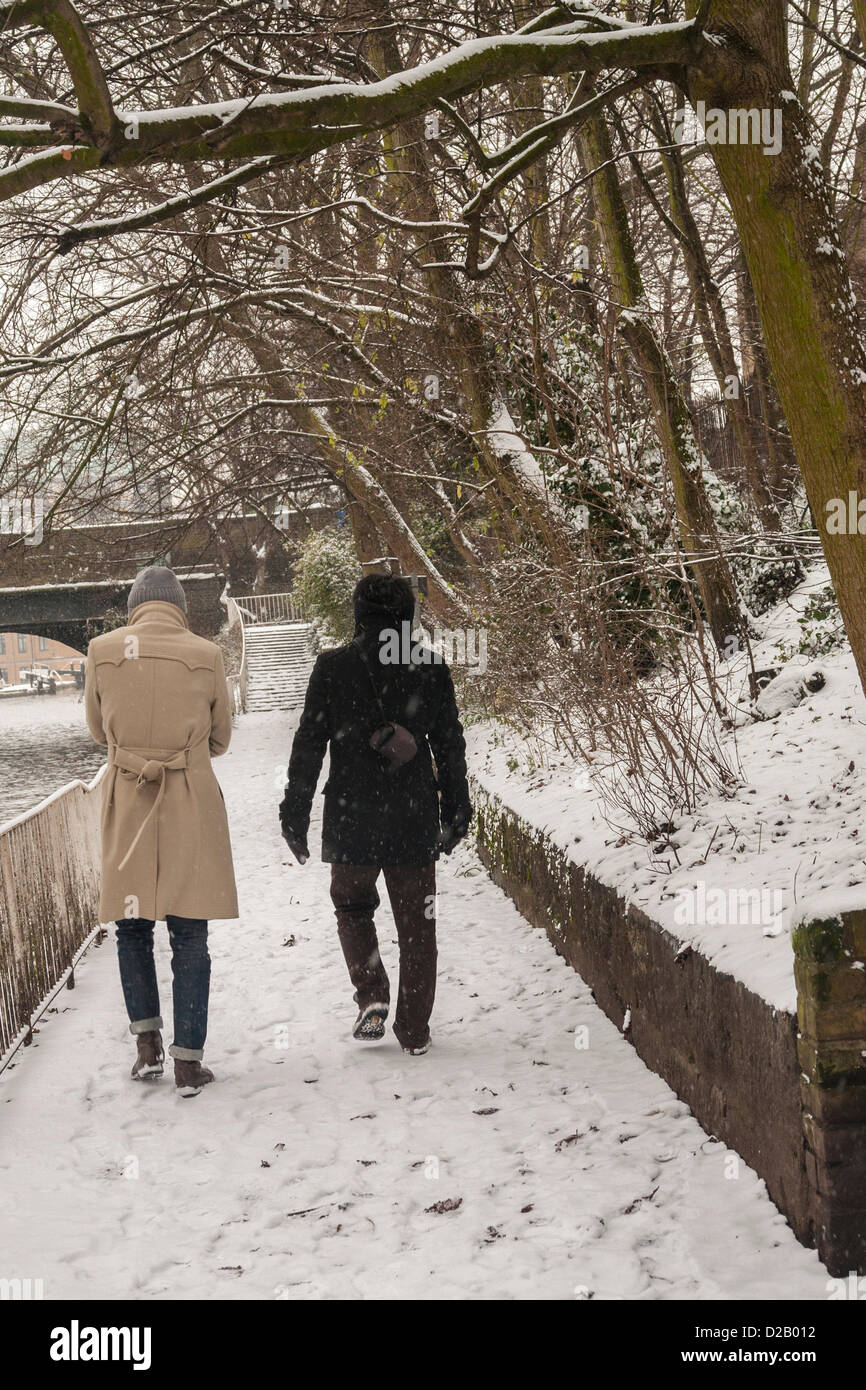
[(152, 770)]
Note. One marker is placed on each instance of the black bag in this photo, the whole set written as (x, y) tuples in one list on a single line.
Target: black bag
[(393, 742)]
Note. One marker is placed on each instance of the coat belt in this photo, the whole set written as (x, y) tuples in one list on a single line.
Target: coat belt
[(149, 769)]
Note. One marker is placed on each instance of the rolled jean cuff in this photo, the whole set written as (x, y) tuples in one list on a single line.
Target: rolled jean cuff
[(146, 1025), (186, 1054)]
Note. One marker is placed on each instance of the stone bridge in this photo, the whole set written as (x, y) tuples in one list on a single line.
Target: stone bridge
[(74, 582), (73, 613)]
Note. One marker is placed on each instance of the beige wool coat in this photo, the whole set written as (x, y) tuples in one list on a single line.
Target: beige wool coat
[(156, 698)]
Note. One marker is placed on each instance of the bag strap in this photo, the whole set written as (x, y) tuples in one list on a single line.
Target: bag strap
[(378, 697)]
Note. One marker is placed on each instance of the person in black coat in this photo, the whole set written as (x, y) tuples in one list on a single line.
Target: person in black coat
[(386, 708)]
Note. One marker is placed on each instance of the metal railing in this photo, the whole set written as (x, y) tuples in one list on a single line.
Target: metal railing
[(270, 608), (50, 865), (237, 681)]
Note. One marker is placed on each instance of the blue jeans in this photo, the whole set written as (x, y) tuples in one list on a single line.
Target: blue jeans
[(190, 968)]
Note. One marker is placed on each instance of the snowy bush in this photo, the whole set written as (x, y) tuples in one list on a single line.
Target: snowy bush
[(326, 574), (821, 626)]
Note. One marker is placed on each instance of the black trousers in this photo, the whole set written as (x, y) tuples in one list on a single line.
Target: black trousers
[(412, 893)]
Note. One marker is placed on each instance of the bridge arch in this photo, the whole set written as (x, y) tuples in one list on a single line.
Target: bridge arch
[(74, 613)]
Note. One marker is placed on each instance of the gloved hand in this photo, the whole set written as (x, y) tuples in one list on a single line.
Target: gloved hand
[(297, 844), (453, 832)]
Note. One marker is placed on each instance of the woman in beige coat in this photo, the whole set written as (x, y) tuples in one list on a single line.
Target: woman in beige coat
[(156, 698)]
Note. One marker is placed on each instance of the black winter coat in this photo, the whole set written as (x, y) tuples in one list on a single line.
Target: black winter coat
[(374, 815)]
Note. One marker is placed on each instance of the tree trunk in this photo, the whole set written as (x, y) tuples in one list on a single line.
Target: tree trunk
[(766, 417), (673, 423), (504, 456), (368, 542), (790, 237), (381, 511), (715, 334)]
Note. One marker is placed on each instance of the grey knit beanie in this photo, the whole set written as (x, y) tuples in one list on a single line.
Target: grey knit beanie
[(156, 584)]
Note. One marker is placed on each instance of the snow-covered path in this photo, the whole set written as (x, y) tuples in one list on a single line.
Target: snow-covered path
[(321, 1168)]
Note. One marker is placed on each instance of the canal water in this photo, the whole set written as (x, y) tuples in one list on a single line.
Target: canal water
[(44, 744)]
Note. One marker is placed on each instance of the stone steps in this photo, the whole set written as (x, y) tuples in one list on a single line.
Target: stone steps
[(279, 660)]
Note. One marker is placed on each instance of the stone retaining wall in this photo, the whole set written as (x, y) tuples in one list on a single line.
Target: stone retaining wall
[(793, 1107)]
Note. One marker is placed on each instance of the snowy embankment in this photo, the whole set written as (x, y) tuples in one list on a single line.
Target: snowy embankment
[(740, 871), (507, 1163)]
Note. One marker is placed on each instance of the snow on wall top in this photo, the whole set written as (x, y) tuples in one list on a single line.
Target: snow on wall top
[(745, 870)]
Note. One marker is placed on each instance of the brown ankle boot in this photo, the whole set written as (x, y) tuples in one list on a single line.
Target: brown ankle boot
[(189, 1077), (148, 1063)]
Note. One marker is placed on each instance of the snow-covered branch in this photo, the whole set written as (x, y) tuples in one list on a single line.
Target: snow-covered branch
[(296, 123)]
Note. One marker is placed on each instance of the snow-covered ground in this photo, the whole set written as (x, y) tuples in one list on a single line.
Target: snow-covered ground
[(741, 869), (508, 1163)]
